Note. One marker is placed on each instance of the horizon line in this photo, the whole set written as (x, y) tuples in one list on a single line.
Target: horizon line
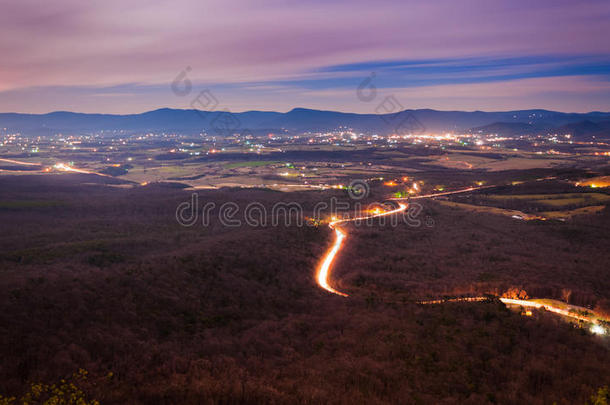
[(301, 108)]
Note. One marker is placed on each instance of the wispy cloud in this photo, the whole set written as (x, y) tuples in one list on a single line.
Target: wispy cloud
[(281, 46)]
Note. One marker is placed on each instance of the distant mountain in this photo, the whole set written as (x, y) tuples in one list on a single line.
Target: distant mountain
[(296, 120), (512, 128), (586, 129), (581, 130)]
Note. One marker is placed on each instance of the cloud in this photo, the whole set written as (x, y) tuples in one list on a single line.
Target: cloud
[(111, 43), (565, 93)]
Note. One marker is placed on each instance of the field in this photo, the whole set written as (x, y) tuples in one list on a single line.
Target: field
[(564, 203), (588, 210), (486, 209), (250, 164), (594, 209), (557, 200), (510, 161)]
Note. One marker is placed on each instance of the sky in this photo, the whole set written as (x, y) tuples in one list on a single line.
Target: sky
[(132, 56)]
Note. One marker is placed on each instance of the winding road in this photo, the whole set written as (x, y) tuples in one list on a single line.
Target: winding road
[(324, 269), (323, 272)]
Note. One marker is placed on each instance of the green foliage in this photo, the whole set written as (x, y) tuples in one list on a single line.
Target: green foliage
[(602, 397), (66, 392)]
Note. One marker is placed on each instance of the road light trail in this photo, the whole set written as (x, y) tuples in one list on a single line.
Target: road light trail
[(464, 190), (511, 301), (325, 267), (443, 301), (58, 166), (17, 162), (66, 168), (328, 260), (533, 304), (525, 304)]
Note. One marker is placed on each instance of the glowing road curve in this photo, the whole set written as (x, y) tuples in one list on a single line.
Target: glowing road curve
[(325, 268)]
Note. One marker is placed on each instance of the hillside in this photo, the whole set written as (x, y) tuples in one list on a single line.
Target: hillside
[(104, 279)]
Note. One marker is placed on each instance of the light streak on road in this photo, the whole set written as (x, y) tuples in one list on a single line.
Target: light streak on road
[(463, 299), (325, 268), (20, 163), (66, 168), (464, 190), (328, 260), (533, 304), (19, 171), (595, 327), (58, 166), (511, 301)]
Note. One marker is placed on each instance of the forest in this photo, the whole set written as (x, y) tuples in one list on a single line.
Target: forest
[(101, 287)]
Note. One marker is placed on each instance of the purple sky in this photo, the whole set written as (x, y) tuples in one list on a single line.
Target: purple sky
[(121, 56)]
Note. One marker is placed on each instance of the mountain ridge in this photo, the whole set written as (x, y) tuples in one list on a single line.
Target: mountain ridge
[(298, 119)]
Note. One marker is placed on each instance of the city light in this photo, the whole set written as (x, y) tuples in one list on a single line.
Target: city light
[(598, 329)]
